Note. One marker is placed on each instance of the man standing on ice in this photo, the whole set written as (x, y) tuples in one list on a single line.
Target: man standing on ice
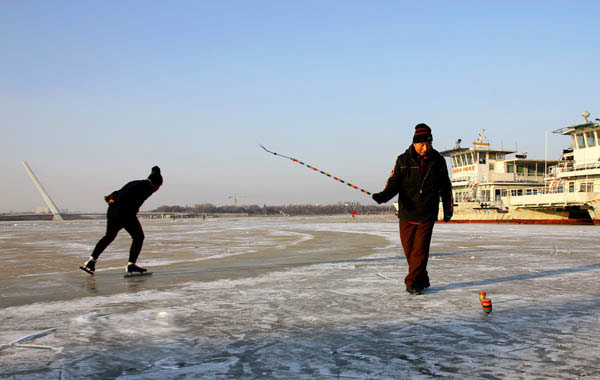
[(420, 178), (123, 206)]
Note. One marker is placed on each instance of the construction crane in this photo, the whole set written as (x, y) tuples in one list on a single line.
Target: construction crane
[(235, 198)]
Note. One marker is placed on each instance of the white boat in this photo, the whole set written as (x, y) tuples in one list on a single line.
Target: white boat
[(489, 185)]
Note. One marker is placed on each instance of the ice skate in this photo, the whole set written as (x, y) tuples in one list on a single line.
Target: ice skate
[(134, 270), (89, 266)]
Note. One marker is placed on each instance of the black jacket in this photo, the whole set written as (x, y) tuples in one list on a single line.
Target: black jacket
[(419, 189), (129, 199)]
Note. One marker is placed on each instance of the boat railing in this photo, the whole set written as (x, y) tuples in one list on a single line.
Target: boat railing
[(586, 166), (564, 198), (559, 190), (561, 165), (525, 178), (570, 166)]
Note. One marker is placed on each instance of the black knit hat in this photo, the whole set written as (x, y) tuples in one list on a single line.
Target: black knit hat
[(422, 134), (155, 176)]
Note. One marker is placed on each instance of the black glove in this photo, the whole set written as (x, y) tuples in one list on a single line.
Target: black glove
[(377, 197)]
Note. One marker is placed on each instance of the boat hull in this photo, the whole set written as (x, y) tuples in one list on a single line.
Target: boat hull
[(474, 212), (594, 210)]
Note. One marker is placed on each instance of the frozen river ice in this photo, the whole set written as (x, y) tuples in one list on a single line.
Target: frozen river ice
[(300, 298)]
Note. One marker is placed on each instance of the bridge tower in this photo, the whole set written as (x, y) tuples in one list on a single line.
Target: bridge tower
[(47, 199)]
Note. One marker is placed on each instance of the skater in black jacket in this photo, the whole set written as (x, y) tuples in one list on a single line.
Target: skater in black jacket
[(123, 206), (420, 179)]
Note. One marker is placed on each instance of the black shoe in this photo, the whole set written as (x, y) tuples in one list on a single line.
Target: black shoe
[(422, 282), (412, 290), (134, 268), (89, 266)]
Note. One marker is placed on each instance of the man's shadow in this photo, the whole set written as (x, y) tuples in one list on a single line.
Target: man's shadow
[(518, 277)]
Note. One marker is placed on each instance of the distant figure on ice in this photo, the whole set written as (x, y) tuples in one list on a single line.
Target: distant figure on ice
[(419, 177), (123, 206)]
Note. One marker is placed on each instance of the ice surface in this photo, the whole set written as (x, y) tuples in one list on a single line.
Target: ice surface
[(301, 298)]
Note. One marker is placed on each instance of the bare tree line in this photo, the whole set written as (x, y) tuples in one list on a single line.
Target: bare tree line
[(307, 209)]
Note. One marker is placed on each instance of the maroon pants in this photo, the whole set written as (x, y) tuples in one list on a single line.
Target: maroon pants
[(416, 238)]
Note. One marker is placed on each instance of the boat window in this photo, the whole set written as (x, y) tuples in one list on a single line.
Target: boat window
[(500, 156), (531, 170), (485, 195), (482, 158), (561, 189), (590, 138), (504, 192), (586, 187), (453, 161), (580, 141), (492, 156), (520, 169), (528, 192), (470, 158), (510, 168), (571, 187), (540, 170), (459, 160)]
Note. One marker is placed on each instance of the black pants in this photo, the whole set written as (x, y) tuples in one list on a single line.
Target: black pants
[(416, 239), (114, 224)]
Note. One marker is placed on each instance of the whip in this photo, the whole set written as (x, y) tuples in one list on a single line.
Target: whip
[(317, 170)]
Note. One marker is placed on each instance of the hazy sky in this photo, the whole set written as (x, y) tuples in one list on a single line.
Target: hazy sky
[(94, 93)]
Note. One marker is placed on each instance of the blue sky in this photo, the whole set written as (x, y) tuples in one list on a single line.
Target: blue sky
[(94, 93)]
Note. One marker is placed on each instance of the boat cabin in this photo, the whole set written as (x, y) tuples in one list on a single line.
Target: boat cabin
[(585, 144), (483, 174)]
